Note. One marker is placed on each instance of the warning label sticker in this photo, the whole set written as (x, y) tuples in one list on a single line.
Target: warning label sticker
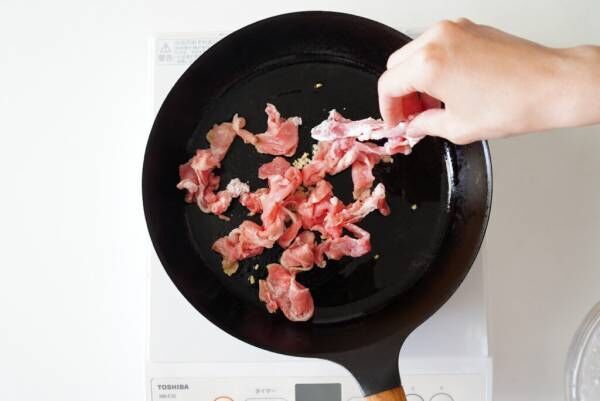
[(182, 51)]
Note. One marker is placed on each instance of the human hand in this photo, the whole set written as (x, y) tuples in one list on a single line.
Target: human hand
[(492, 84)]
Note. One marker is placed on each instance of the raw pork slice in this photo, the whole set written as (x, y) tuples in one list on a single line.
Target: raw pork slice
[(197, 176), (281, 291), (300, 256), (221, 136), (341, 145), (281, 137), (359, 209), (278, 222), (328, 215), (251, 200), (362, 174), (314, 209), (369, 129), (336, 248), (240, 243), (338, 155)]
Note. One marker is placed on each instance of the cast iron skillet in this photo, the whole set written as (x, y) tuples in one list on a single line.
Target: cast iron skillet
[(365, 308)]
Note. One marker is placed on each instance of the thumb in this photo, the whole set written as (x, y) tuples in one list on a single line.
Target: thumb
[(432, 122)]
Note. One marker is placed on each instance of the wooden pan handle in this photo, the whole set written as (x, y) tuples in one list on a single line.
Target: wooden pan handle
[(395, 394)]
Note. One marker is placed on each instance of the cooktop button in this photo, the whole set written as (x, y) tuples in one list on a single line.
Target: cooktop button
[(414, 397), (442, 397)]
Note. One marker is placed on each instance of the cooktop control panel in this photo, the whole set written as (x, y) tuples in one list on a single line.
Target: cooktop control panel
[(452, 387)]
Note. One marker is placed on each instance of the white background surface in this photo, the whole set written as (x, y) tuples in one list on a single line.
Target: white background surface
[(74, 115)]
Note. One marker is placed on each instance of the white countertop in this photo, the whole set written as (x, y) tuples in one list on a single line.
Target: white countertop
[(75, 113)]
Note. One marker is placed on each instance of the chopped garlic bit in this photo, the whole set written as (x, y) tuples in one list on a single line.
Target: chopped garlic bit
[(414, 207), (302, 161), (251, 279), (376, 256), (318, 85), (256, 266), (387, 159), (230, 268), (315, 149)]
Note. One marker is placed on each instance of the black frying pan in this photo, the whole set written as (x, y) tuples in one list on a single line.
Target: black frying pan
[(366, 307)]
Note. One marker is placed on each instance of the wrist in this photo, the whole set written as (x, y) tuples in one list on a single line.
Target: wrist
[(575, 87)]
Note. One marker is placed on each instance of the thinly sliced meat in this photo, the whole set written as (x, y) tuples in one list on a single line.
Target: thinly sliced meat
[(278, 169), (300, 256), (342, 154), (277, 166), (312, 212), (238, 126), (197, 176), (375, 201), (319, 211), (368, 129), (334, 157), (317, 168), (188, 181), (219, 202), (228, 247), (247, 240), (283, 181), (251, 200), (322, 191), (328, 215), (332, 223), (362, 175), (281, 137), (341, 146), (291, 231), (280, 290), (293, 201), (275, 286), (264, 294), (254, 235), (220, 138), (204, 160), (357, 211), (339, 217), (301, 304), (240, 243), (280, 187), (336, 248)]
